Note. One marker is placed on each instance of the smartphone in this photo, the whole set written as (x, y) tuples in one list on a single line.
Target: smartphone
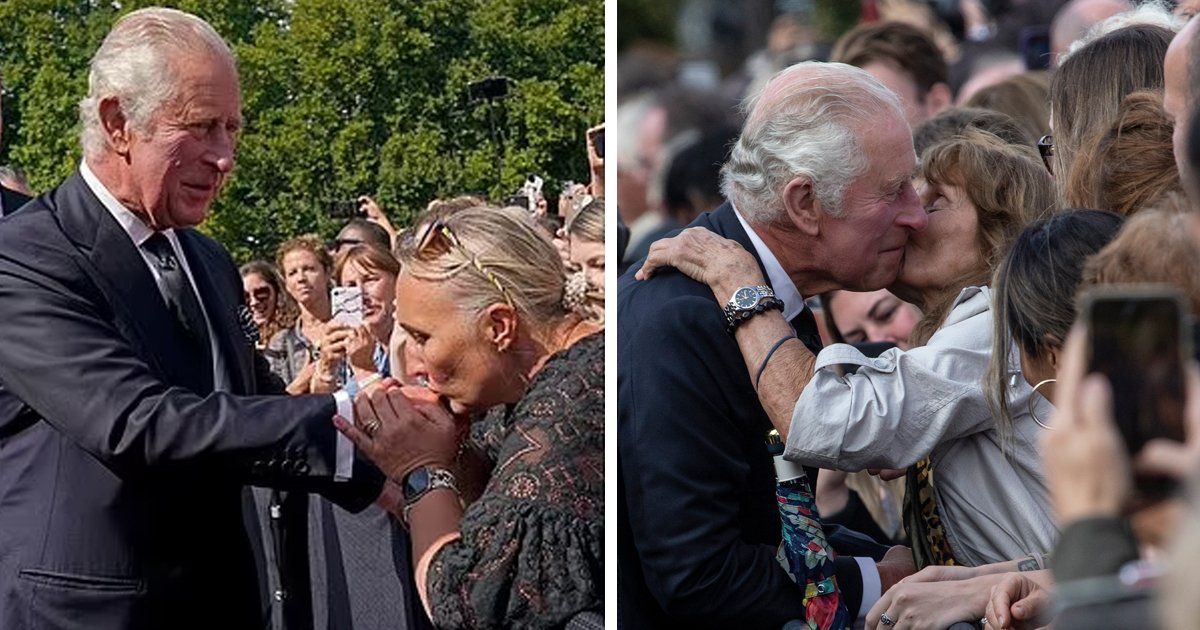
[(347, 303), (598, 143), (1138, 337)]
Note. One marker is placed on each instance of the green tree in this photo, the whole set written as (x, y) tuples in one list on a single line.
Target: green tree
[(341, 98)]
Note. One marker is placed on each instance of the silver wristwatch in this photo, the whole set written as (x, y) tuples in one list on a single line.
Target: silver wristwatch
[(748, 301)]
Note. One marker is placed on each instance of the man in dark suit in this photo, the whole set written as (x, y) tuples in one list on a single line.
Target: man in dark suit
[(121, 480), (10, 199), (820, 178)]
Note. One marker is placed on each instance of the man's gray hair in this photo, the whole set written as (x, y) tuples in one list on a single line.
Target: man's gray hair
[(134, 64), (808, 121)]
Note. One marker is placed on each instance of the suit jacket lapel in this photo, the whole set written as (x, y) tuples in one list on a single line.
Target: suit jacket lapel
[(723, 221), (118, 269), (222, 313)]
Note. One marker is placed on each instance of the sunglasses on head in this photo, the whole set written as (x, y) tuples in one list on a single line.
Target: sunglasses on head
[(437, 239)]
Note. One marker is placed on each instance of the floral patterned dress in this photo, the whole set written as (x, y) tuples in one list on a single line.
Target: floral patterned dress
[(532, 548)]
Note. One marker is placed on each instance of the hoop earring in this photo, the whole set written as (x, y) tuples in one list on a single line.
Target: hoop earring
[(1029, 404)]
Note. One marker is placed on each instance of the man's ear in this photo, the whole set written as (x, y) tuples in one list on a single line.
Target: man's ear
[(937, 99), (800, 203), (116, 126), (499, 324)]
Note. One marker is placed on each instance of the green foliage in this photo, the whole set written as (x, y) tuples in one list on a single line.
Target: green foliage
[(341, 98)]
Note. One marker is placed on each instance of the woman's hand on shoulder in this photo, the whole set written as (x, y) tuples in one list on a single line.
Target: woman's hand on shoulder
[(706, 257)]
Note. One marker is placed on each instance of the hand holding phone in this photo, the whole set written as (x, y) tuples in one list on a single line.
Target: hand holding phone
[(1138, 337)]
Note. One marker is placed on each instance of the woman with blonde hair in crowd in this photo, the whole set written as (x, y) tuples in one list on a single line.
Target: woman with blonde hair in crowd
[(481, 294), (585, 251), (270, 307)]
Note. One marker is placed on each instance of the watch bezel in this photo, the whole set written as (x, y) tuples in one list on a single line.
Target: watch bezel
[(746, 297)]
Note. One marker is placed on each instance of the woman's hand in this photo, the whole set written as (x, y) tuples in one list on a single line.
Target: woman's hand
[(595, 161), (702, 255), (399, 433), (913, 604), (1088, 474), (1017, 601), (360, 352), (335, 338)]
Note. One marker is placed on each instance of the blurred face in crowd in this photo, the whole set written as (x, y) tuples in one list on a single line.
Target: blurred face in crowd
[(378, 289), (177, 165), (917, 107), (948, 249), (261, 298), (873, 316), (880, 210), (453, 347), (1176, 100), (588, 256), (305, 277)]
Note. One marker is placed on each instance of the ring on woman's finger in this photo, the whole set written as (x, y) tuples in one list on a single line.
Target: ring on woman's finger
[(884, 619), (983, 622), (371, 427)]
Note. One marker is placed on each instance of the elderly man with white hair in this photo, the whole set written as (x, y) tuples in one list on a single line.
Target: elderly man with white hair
[(819, 188), (125, 343)]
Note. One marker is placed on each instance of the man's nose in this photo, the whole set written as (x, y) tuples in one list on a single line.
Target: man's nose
[(912, 214)]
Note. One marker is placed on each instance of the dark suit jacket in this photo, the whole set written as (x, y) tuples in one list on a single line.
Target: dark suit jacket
[(698, 523), (121, 487), (11, 200)]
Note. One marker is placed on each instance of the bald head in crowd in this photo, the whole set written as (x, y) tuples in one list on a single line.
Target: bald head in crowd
[(1076, 17)]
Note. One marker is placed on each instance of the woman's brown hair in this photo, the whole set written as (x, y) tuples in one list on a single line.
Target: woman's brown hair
[(1009, 187), (1129, 165)]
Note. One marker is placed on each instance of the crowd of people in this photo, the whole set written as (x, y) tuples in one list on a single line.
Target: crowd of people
[(852, 384), (395, 428)]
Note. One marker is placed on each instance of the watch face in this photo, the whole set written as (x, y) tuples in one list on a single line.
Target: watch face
[(416, 482), (745, 297)]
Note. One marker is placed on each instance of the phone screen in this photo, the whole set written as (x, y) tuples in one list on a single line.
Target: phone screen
[(347, 305), (1137, 342)]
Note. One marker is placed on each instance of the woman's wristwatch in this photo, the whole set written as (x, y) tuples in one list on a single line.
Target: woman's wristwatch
[(747, 302), (420, 481)]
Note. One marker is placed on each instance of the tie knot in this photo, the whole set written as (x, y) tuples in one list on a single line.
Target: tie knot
[(160, 247)]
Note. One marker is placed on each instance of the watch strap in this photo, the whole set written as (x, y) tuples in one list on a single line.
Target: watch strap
[(437, 478), (735, 317)]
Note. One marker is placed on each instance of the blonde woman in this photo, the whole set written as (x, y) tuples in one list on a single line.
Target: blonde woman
[(481, 295)]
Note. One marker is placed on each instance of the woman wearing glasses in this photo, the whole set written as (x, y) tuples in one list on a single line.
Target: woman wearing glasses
[(481, 295)]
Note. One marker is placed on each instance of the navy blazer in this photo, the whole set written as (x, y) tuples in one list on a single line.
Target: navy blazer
[(121, 483), (698, 523)]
